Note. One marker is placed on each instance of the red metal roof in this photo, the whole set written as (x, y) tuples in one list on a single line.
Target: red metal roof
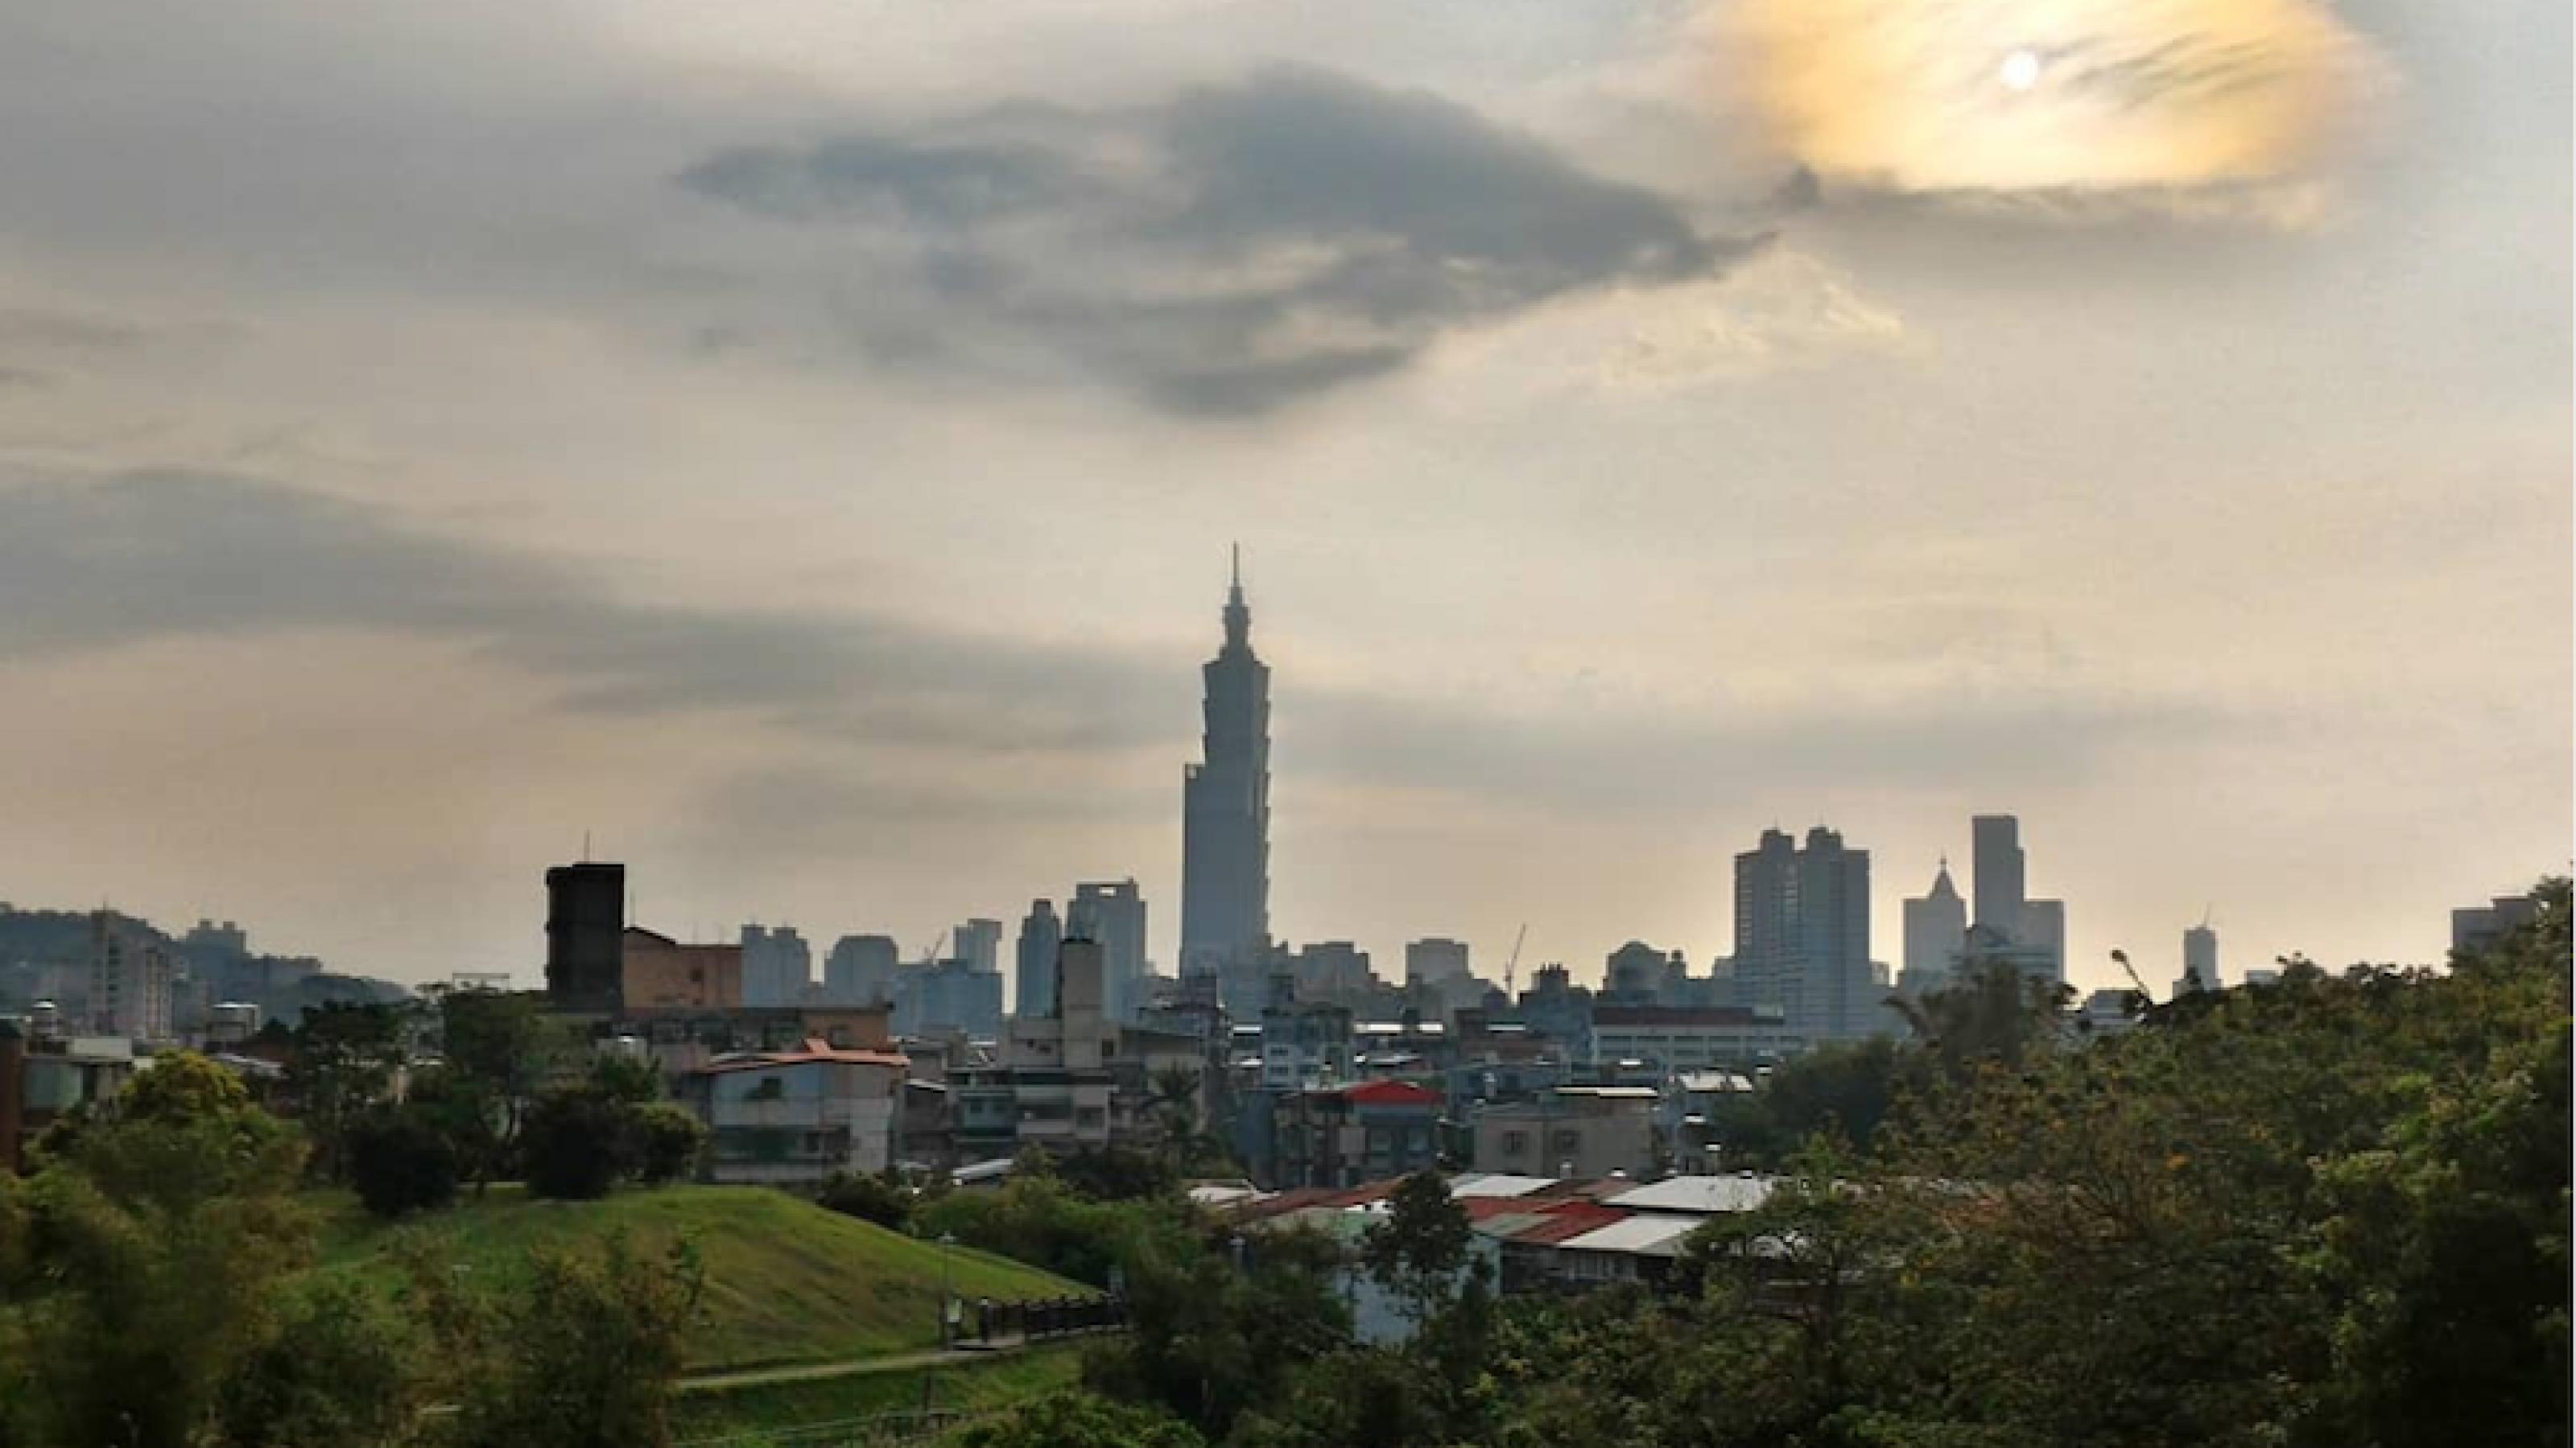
[(1390, 1093), (1566, 1221)]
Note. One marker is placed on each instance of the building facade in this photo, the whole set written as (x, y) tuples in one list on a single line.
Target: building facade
[(1936, 931), (1572, 1131), (129, 981), (2033, 932), (658, 973), (1225, 804), (585, 935), (1041, 936), (793, 1118), (777, 965), (1802, 935), (860, 970), (1113, 913), (1435, 961)]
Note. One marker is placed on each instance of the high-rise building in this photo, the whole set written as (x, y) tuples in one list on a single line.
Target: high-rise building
[(1434, 960), (2008, 922), (129, 980), (1999, 881), (1802, 935), (1113, 914), (1225, 805), (860, 970), (1936, 930), (585, 936), (2199, 960), (777, 965), (1041, 937), (979, 944)]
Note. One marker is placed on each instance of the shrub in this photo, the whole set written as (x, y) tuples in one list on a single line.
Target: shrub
[(400, 1162), (668, 1141), (868, 1198), (575, 1143)]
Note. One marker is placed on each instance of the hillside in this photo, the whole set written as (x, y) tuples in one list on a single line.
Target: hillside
[(787, 1282)]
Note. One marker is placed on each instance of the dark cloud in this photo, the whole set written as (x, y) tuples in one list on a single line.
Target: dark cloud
[(1220, 254)]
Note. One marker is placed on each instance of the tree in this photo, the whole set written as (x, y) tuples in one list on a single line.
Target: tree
[(136, 1271), (1418, 1252), (1990, 1012), (337, 1364), (179, 1087), (496, 1047), (1074, 1420), (400, 1161), (577, 1143), (583, 1351), (669, 1140), (341, 1065)]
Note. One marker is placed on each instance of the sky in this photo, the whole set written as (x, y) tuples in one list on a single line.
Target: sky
[(795, 449)]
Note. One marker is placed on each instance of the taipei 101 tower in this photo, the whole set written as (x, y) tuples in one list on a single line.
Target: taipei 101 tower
[(1225, 805)]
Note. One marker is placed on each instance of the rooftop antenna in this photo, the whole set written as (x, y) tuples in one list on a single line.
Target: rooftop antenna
[(1237, 550), (585, 847)]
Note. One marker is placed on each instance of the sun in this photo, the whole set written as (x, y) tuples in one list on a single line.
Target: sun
[(2020, 70)]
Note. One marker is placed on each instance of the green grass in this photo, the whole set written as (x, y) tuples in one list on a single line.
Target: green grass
[(787, 1282), (992, 1383)]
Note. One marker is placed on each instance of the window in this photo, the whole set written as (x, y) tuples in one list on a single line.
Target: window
[(1568, 1141), (1515, 1143)]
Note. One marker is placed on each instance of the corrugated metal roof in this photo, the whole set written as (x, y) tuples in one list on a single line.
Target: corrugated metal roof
[(1498, 1184), (1644, 1235), (1701, 1194)]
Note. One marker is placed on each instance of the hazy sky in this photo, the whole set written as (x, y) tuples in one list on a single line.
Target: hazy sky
[(797, 444)]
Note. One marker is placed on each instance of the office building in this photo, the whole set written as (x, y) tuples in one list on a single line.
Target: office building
[(2478, 926), (1434, 961), (2009, 923), (2200, 956), (1936, 930), (1225, 805), (657, 973), (777, 965), (1041, 936), (1113, 914), (585, 936), (860, 970), (979, 944), (1802, 935), (129, 980)]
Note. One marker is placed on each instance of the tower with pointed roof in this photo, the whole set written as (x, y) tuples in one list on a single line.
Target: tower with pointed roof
[(1225, 804), (1936, 931)]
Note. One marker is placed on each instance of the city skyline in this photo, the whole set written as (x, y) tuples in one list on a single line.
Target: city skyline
[(802, 464)]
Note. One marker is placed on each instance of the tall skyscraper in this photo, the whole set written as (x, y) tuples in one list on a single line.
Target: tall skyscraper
[(1802, 935), (1041, 935), (585, 936), (1225, 805), (1999, 882), (1113, 914), (860, 970), (777, 965), (1936, 929), (2008, 922), (979, 944), (2200, 957)]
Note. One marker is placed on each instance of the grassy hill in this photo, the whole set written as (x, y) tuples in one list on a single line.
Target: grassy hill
[(787, 1282)]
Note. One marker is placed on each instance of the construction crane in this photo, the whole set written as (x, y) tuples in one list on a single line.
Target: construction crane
[(1513, 963), (931, 956)]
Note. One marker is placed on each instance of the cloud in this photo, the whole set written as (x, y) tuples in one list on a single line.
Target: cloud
[(140, 556), (1221, 253), (916, 717), (2200, 104)]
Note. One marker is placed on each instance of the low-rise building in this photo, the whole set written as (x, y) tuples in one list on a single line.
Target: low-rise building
[(1692, 1038), (1346, 1135), (1571, 1131), (792, 1118)]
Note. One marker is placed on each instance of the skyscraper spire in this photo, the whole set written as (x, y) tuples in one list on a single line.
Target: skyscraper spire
[(1238, 615)]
